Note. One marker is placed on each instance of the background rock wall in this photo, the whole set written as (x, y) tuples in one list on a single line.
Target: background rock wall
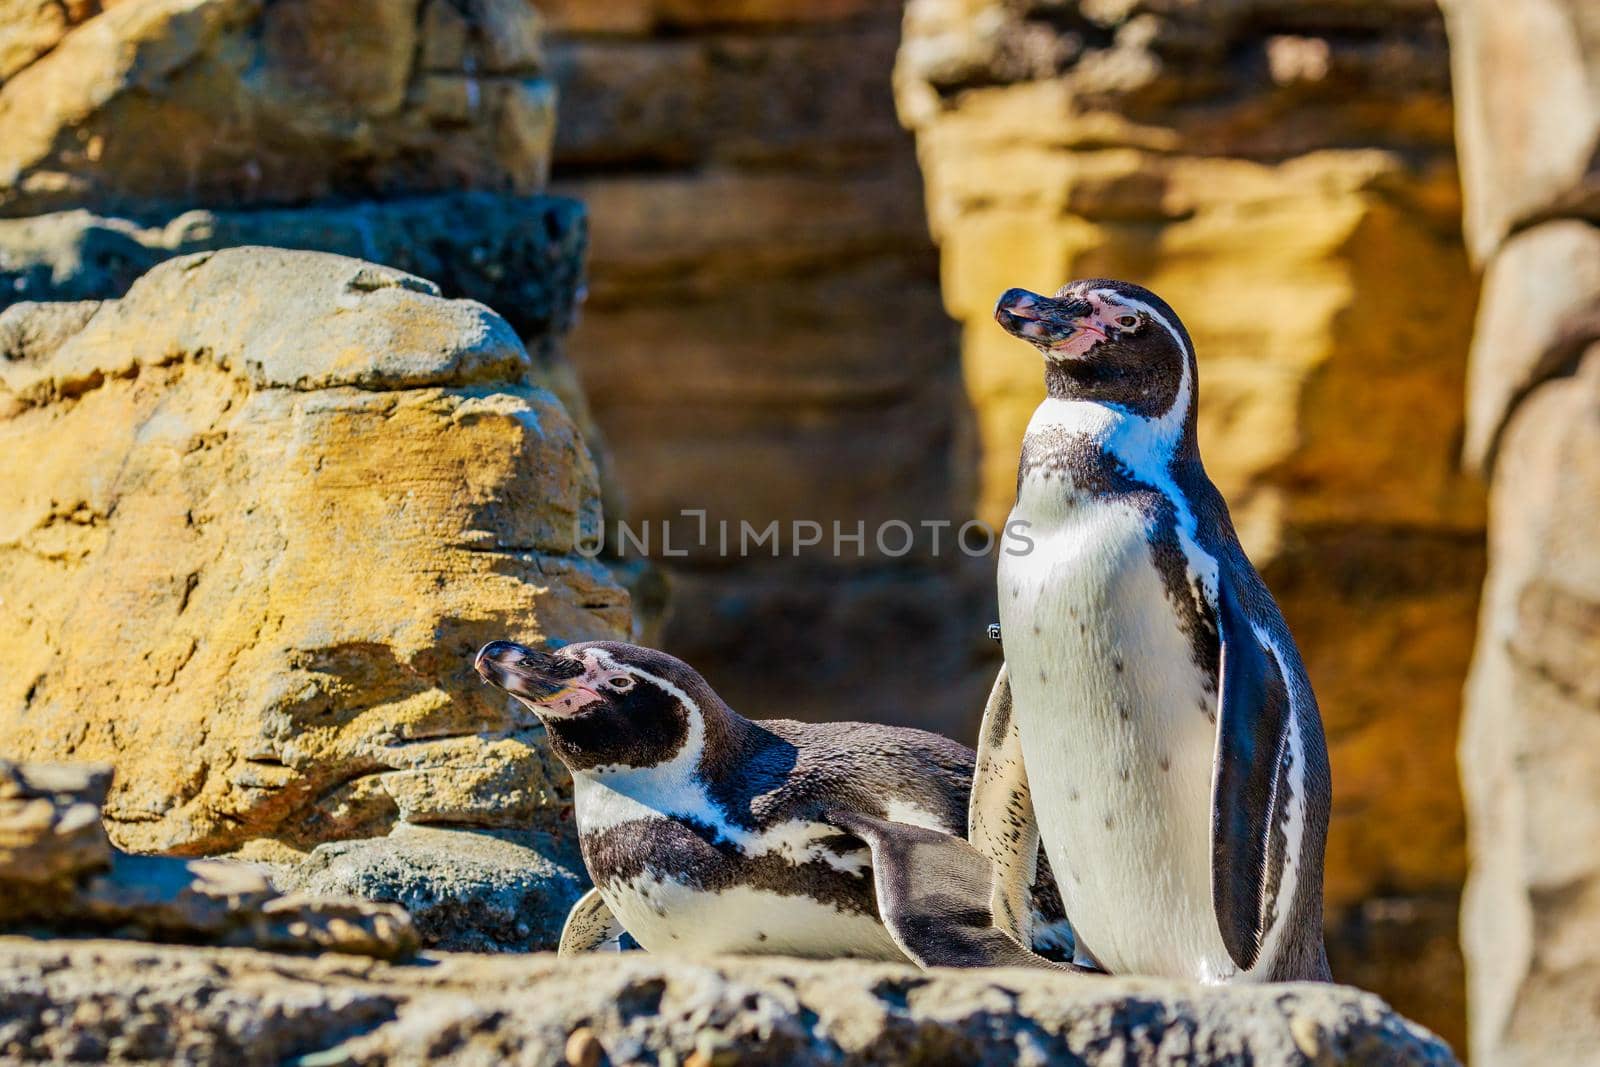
[(184, 102), (763, 340), (1529, 119), (1283, 173)]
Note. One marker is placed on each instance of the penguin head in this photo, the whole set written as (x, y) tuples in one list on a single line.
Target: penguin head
[(1109, 342), (605, 705)]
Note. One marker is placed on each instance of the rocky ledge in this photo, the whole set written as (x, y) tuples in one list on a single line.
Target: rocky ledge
[(89, 1001)]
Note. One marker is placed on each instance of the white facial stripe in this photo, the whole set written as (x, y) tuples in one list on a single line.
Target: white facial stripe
[(1132, 304), (604, 662)]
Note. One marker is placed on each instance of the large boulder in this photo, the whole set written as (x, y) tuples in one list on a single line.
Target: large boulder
[(99, 1001), (1282, 172), (255, 517)]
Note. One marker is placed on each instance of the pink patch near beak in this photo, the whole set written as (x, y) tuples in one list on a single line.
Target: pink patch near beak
[(1087, 335), (570, 701)]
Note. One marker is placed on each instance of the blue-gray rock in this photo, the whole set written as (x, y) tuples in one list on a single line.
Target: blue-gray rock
[(466, 890)]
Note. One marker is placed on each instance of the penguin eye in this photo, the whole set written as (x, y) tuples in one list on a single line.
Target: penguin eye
[(621, 683), (1127, 322)]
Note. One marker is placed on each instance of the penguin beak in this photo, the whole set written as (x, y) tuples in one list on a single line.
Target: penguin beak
[(1044, 321), (529, 675)]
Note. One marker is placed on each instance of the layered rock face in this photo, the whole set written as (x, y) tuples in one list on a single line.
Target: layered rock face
[(183, 102), (1529, 115), (1282, 174), (257, 516), (763, 340), (248, 1008)]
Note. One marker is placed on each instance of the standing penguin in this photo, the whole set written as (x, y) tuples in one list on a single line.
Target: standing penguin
[(705, 831), (1153, 722)]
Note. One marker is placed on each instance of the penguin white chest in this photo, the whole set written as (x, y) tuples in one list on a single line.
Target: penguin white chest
[(1118, 729), (671, 916), (692, 883)]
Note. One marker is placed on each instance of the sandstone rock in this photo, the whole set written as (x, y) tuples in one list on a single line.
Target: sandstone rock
[(1530, 739), (58, 873), (1282, 173), (1541, 292), (181, 103), (97, 1001), (1527, 79), (30, 28), (466, 891), (258, 514)]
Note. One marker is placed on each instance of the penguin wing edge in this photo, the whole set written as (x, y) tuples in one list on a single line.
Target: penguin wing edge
[(1253, 716), (933, 895), (1000, 821), (590, 926)]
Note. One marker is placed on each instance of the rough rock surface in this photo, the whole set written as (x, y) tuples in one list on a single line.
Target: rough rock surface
[(521, 255), (97, 1001), (59, 874), (466, 891), (1528, 111), (341, 113), (762, 286), (254, 519), (1282, 172), (1529, 108), (224, 102)]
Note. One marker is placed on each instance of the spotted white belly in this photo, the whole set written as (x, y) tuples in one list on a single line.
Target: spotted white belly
[(1117, 734), (671, 917)]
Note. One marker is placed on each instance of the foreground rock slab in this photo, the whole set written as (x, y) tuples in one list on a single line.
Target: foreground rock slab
[(92, 1001), (58, 872)]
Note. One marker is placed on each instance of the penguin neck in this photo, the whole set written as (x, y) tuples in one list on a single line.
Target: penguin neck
[(1147, 449), (678, 785), (1102, 401)]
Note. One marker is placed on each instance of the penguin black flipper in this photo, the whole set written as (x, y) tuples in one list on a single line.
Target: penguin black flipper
[(933, 896), (590, 927), (1000, 821), (1253, 717)]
